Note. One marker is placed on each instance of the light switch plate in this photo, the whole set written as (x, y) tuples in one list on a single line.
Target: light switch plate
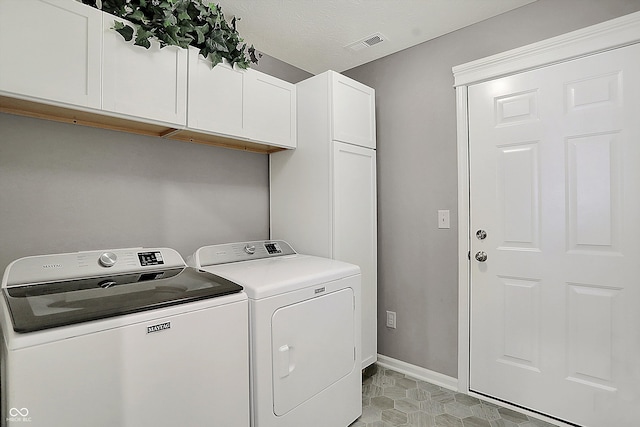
[(443, 219)]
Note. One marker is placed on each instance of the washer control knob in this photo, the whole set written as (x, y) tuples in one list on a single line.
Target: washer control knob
[(250, 249), (108, 259)]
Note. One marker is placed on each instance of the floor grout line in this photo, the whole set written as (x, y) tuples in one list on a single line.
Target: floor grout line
[(393, 399)]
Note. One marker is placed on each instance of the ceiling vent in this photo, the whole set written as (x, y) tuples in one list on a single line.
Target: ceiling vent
[(368, 41)]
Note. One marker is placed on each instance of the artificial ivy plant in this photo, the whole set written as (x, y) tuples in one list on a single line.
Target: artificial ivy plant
[(180, 23)]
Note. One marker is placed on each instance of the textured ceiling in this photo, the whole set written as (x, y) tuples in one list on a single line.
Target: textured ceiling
[(312, 34)]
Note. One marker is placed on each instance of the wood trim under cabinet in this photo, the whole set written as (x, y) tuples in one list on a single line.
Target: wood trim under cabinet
[(38, 110)]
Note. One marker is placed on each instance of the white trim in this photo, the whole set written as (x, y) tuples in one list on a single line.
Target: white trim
[(418, 372), (587, 41), (520, 410), (464, 245)]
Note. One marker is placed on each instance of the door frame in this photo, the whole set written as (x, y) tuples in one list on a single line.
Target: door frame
[(608, 35)]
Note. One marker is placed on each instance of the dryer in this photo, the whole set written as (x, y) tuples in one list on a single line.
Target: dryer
[(304, 330), (124, 337)]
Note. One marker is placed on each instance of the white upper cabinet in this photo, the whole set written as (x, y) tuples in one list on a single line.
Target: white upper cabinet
[(245, 104), (215, 96), (353, 111), (270, 109), (145, 83), (69, 63), (50, 49)]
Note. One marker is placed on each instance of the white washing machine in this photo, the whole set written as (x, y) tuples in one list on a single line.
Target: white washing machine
[(126, 338), (304, 332)]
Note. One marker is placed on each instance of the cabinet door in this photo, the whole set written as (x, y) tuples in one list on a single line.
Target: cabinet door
[(50, 49), (270, 109), (353, 112), (215, 96), (146, 83), (355, 229)]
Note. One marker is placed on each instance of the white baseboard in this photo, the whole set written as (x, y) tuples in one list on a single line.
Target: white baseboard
[(418, 372)]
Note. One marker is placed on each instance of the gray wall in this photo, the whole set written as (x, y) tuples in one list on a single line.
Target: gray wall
[(66, 188), (417, 175), (274, 67)]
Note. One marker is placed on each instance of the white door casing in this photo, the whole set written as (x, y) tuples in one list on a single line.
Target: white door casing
[(552, 155)]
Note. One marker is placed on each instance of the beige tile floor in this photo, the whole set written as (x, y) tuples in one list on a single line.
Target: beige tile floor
[(391, 399)]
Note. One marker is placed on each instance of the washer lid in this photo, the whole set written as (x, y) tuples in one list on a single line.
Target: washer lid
[(263, 278), (47, 305)]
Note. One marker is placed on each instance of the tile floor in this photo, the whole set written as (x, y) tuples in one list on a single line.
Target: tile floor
[(391, 399)]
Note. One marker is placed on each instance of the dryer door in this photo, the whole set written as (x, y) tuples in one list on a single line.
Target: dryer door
[(313, 344)]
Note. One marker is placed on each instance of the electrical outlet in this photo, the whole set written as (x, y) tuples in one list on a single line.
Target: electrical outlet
[(391, 319)]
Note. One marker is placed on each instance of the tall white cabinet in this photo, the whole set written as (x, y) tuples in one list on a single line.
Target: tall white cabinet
[(323, 194)]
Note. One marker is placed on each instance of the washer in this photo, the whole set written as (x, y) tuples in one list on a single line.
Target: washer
[(125, 337), (304, 332)]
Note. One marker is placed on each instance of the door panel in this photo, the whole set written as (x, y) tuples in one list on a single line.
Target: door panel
[(206, 88), (313, 346), (148, 83), (45, 70), (353, 112), (269, 109), (355, 230), (554, 161)]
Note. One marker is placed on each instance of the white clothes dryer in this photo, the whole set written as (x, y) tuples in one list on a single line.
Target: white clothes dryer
[(304, 329), (124, 337)]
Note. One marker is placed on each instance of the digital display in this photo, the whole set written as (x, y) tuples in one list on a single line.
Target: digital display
[(272, 248), (150, 258)]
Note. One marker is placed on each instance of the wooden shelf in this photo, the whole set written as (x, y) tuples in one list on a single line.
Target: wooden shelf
[(102, 120), (187, 135)]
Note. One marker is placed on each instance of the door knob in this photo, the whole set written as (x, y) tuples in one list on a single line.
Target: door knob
[(481, 256), (481, 234)]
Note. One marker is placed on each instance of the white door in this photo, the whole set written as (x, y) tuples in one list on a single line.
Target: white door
[(555, 184), (355, 230)]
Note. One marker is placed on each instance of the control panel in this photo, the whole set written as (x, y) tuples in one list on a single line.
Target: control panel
[(235, 252), (55, 267)]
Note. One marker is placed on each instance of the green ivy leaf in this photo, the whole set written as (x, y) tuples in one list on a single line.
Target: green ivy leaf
[(184, 42), (254, 55), (200, 34), (173, 33), (137, 15), (142, 37), (124, 30), (215, 58)]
